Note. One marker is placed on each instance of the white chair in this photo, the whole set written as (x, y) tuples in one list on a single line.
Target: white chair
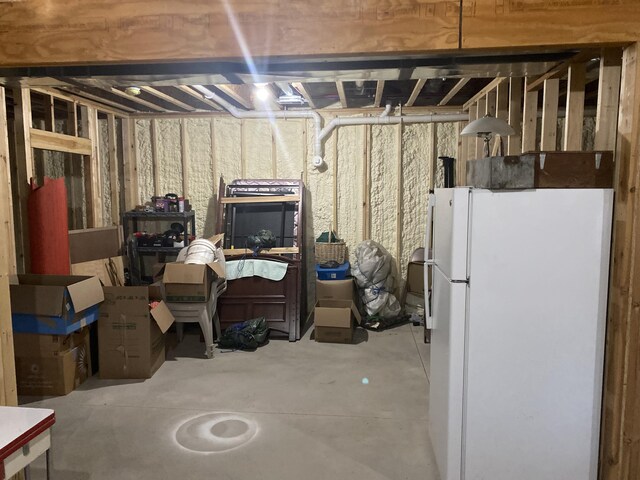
[(206, 314)]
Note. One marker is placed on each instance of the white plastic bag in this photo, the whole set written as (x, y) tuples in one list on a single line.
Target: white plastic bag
[(372, 270)]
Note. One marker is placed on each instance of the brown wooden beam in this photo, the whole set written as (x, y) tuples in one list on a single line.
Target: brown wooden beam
[(198, 96), (379, 90), (8, 388), (300, 87), (549, 115), (24, 171), (341, 94), (416, 92), (93, 173), (620, 439), (608, 99), (514, 142), (138, 100), (454, 91), (483, 92), (530, 120), (71, 94), (559, 71), (59, 142), (167, 98), (574, 112), (130, 163)]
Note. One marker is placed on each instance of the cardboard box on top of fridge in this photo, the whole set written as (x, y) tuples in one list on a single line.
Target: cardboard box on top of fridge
[(335, 289), (58, 367), (54, 304), (131, 333), (335, 320)]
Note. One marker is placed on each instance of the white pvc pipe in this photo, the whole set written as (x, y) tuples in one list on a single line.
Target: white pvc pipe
[(236, 112), (432, 118), (322, 133)]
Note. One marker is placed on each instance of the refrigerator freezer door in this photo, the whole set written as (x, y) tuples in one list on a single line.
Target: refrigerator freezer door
[(537, 305), (451, 219), (446, 383)]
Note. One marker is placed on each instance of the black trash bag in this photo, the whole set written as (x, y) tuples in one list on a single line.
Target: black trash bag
[(247, 335), (262, 239)]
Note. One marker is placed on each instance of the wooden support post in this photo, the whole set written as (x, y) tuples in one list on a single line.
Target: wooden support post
[(608, 99), (399, 197), (433, 161), (514, 142), (70, 170), (366, 185), (184, 154), (93, 173), (130, 163), (24, 171), (482, 110), (335, 180), (8, 395), (49, 113), (462, 156), (471, 141), (305, 159), (490, 106), (529, 119), (550, 115), (620, 439), (113, 168), (154, 157), (574, 116)]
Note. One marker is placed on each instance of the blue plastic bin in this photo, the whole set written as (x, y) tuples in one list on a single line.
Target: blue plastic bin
[(338, 273)]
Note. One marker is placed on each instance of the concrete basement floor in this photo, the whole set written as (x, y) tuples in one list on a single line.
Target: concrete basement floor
[(314, 414)]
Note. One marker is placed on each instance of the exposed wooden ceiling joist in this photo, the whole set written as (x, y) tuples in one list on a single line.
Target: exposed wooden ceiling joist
[(238, 93), (341, 94), (299, 86), (95, 101), (559, 70), (167, 98), (416, 92), (454, 91), (137, 100), (198, 96), (379, 90), (492, 85)]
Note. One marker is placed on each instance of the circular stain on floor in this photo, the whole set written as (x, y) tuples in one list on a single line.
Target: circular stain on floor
[(215, 432)]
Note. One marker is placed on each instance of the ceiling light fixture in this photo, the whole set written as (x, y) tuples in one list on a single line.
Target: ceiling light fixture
[(262, 92), (485, 128), (133, 91)]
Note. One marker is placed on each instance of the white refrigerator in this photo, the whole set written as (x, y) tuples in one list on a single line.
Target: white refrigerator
[(519, 298)]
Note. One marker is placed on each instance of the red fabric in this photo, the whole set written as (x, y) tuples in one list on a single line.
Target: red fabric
[(49, 228)]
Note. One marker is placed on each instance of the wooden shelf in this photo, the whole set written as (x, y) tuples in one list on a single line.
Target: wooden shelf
[(261, 199), (270, 251)]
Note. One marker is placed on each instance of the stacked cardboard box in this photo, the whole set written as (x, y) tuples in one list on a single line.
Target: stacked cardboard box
[(131, 333), (335, 314), (51, 364)]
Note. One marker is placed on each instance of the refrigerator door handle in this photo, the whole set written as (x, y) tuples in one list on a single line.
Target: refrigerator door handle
[(429, 262)]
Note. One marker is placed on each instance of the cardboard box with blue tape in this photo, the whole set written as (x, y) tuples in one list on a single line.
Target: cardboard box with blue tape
[(54, 304)]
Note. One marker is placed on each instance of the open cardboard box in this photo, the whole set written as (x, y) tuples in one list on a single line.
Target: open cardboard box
[(335, 320), (131, 335), (54, 304)]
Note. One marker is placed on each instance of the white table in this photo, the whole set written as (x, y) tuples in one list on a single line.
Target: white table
[(25, 434)]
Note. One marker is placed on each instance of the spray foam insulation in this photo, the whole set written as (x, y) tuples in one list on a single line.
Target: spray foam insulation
[(227, 145), (289, 142), (201, 182), (257, 154), (350, 165), (169, 156), (145, 162)]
